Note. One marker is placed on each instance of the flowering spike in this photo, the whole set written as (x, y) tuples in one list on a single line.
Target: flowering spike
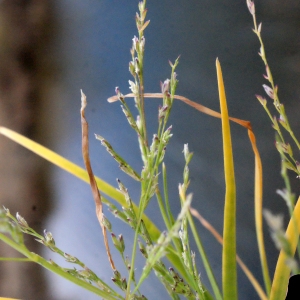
[(122, 244), (282, 121), (132, 68), (275, 123), (122, 163), (142, 44), (70, 258), (162, 111), (136, 66), (49, 238), (187, 154), (165, 86), (133, 87), (143, 249), (118, 242), (261, 52), (22, 221), (269, 75), (132, 51), (144, 26), (106, 223), (135, 42), (262, 100), (259, 28), (269, 91), (119, 94), (251, 7)]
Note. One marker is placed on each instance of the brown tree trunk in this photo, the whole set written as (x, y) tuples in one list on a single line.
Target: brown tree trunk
[(24, 33)]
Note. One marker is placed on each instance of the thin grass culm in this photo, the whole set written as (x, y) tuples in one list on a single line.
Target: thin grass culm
[(169, 254)]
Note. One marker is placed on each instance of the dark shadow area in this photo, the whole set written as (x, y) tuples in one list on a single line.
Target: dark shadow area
[(293, 292), (26, 32)]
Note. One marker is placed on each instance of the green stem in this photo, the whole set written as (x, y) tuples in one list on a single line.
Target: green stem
[(206, 263), (294, 138), (166, 195), (162, 209), (142, 108), (15, 259), (133, 254), (176, 241)]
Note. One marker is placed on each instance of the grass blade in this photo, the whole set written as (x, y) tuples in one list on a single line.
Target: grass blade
[(207, 266), (229, 276), (258, 207), (63, 163)]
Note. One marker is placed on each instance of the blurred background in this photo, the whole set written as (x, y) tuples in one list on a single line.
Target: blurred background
[(49, 50)]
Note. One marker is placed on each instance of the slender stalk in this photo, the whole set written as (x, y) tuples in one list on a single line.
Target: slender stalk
[(162, 209), (134, 247), (166, 195), (142, 107), (15, 259), (204, 258)]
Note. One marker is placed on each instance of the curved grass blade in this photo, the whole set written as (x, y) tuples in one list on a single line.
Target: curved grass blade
[(229, 276), (282, 271), (258, 208), (63, 163)]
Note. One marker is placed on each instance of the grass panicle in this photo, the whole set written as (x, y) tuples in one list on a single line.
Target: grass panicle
[(179, 274)]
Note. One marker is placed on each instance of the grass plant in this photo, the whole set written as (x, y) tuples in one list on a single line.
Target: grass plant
[(180, 276)]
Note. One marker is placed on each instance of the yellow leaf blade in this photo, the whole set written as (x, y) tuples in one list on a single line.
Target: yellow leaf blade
[(229, 276), (282, 271)]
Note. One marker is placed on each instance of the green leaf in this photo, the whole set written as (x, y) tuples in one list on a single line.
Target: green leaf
[(229, 276)]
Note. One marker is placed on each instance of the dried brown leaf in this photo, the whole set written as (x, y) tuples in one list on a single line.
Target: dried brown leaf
[(189, 102), (94, 187)]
